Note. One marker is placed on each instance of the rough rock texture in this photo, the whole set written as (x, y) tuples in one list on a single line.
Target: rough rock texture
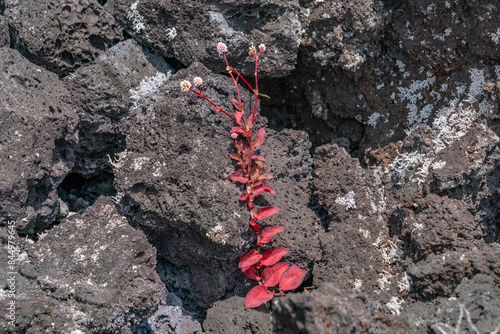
[(92, 272), (476, 308), (4, 32), (192, 37), (36, 127), (330, 310), (61, 36), (383, 135), (226, 316), (104, 92)]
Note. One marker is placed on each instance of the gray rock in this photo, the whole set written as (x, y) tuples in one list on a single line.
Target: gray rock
[(329, 310), (93, 273), (61, 36), (193, 36), (177, 149), (4, 32), (120, 79), (227, 315), (476, 309), (37, 128)]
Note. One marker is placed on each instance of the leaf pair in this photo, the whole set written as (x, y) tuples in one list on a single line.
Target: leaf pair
[(288, 280)]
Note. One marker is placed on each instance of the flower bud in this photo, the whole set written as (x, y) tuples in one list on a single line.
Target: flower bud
[(252, 50), (221, 48), (185, 85)]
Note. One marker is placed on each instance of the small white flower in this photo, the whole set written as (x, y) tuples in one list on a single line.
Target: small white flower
[(262, 47), (185, 85), (221, 48), (197, 81)]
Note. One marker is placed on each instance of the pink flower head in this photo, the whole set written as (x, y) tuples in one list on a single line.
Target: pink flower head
[(185, 85), (197, 81), (221, 48)]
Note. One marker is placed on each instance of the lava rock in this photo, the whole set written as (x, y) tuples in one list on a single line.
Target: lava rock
[(193, 36), (61, 36), (38, 129), (93, 273)]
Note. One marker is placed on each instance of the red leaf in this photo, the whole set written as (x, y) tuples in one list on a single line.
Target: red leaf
[(268, 233), (250, 272), (238, 105), (238, 115), (235, 156), (266, 177), (256, 191), (258, 296), (253, 222), (292, 279), (272, 275), (273, 255), (265, 212), (256, 228), (249, 258), (237, 130), (259, 138), (258, 157), (238, 176)]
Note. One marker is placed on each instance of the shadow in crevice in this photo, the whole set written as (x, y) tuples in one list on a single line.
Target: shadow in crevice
[(78, 192)]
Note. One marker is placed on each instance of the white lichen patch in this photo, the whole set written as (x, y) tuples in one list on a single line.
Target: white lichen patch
[(157, 168), (451, 124), (136, 18), (78, 254), (357, 284), (171, 33), (347, 200), (385, 279), (146, 87), (495, 36), (218, 234), (394, 305), (138, 163)]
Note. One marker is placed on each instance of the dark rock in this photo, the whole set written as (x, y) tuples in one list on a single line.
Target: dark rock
[(227, 315), (193, 36), (37, 129), (439, 274), (4, 32), (61, 36), (351, 248), (476, 309), (93, 273), (330, 310), (437, 225), (119, 79)]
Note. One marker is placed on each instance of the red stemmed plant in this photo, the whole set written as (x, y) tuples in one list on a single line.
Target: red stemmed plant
[(261, 266)]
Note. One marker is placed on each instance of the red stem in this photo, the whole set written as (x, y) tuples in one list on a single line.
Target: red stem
[(200, 93)]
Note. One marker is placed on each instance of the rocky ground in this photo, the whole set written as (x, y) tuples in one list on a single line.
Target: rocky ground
[(116, 213)]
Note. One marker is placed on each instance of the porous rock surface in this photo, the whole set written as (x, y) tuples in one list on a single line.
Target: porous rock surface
[(382, 133), (91, 273)]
